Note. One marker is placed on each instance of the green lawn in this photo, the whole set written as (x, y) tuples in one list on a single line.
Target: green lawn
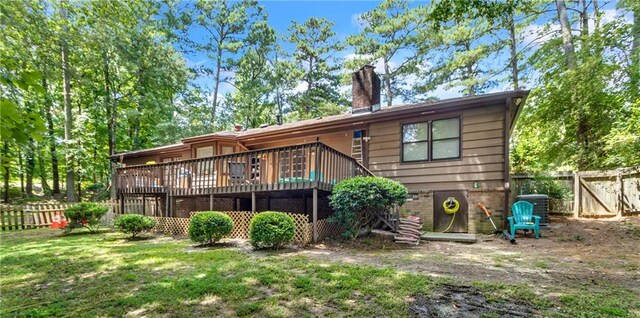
[(43, 275)]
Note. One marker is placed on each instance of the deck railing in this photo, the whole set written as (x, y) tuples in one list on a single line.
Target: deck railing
[(302, 166)]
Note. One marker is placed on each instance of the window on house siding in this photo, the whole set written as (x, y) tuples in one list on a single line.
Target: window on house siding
[(445, 138), (415, 142), (431, 140)]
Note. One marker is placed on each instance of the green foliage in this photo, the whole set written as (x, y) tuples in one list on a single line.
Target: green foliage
[(390, 31), (315, 50), (541, 184), (271, 230), (85, 214), (356, 200), (209, 227), (134, 224)]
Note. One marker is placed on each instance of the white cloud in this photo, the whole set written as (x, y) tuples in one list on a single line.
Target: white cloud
[(300, 88), (356, 20), (190, 63), (536, 34)]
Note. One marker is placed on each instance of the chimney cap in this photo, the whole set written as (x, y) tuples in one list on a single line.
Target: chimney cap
[(367, 66), (237, 127)]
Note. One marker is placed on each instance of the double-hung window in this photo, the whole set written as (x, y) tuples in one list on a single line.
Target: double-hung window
[(431, 140)]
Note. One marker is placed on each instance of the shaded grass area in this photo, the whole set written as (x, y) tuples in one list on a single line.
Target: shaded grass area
[(43, 274)]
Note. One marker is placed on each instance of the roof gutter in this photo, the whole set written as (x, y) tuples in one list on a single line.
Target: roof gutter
[(392, 114)]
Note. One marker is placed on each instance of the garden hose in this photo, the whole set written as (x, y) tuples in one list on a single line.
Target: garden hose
[(451, 207)]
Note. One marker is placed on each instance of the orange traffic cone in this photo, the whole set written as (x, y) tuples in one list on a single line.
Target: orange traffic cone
[(63, 221), (56, 221)]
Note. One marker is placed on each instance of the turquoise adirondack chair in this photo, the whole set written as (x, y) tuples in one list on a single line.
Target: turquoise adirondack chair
[(523, 219)]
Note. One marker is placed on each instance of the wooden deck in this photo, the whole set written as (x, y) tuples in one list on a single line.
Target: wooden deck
[(307, 166)]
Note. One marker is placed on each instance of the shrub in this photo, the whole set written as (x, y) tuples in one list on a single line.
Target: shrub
[(356, 201), (209, 227), (271, 230), (134, 224), (546, 185), (86, 215)]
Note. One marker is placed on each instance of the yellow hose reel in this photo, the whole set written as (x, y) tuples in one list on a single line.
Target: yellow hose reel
[(451, 206)]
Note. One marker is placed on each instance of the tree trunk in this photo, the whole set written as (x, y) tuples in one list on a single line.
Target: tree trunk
[(634, 73), (42, 171), (31, 167), (68, 115), (216, 86), (567, 38), (112, 108), (21, 167), (387, 83), (584, 19), (7, 173), (137, 144), (79, 185), (514, 52), (596, 16), (52, 138)]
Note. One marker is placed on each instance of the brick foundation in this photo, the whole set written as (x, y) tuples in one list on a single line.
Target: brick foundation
[(421, 204)]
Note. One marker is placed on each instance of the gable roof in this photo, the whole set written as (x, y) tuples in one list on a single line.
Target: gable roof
[(335, 121)]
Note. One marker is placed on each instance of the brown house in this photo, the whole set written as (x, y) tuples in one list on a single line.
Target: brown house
[(456, 147)]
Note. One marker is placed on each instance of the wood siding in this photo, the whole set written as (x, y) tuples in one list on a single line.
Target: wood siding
[(482, 156), (340, 141)]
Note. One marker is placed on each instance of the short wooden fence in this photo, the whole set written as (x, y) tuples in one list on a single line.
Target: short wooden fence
[(41, 215), (594, 193), (30, 216)]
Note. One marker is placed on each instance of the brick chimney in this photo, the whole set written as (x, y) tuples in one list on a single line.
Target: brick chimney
[(365, 90)]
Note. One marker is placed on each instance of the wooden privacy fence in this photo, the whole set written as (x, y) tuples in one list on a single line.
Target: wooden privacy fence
[(36, 215), (241, 220), (595, 193)]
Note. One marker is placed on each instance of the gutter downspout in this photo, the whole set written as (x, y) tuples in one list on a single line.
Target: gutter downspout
[(507, 186)]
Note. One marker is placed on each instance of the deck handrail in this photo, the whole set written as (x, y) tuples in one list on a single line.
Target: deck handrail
[(307, 165)]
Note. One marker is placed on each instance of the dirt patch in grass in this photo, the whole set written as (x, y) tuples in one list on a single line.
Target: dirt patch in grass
[(592, 252), (466, 302), (373, 242)]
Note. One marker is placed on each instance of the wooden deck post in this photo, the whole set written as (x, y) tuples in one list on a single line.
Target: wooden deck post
[(144, 205), (253, 201), (122, 204), (576, 195), (166, 205), (211, 202), (315, 215)]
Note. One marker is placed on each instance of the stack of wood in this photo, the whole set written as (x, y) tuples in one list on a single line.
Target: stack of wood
[(409, 230)]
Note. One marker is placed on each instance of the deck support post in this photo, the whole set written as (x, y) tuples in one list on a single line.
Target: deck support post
[(122, 204), (166, 205), (144, 206), (315, 215), (211, 202), (155, 207), (253, 201)]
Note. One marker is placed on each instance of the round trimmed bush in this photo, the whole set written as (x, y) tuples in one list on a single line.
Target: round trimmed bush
[(134, 224), (209, 227), (85, 214), (271, 230)]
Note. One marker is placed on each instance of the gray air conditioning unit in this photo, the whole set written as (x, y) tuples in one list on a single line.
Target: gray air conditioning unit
[(540, 206)]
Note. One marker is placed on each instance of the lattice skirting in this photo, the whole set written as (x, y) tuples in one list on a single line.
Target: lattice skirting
[(326, 229), (173, 226), (241, 221)]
